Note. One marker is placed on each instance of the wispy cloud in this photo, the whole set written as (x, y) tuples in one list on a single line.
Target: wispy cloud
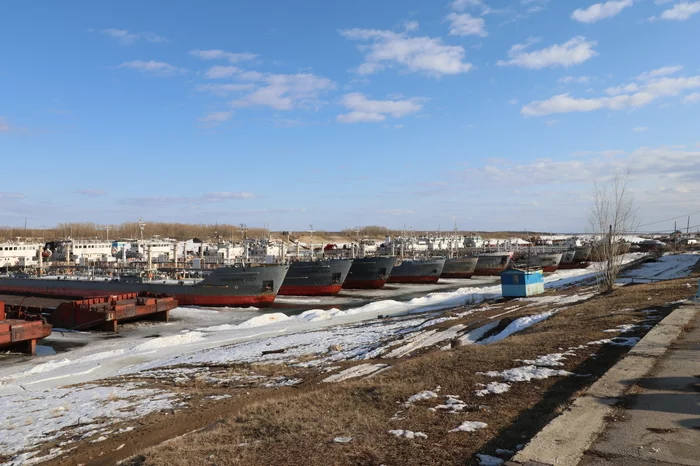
[(284, 91), (91, 192), (388, 49), (681, 11), (624, 97), (222, 55), (574, 79), (125, 37), (366, 110), (213, 197), (219, 72), (599, 11), (572, 52), (224, 89), (692, 98), (4, 125), (464, 24), (152, 67), (640, 129), (216, 117)]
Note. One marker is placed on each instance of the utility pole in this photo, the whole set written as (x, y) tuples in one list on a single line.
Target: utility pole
[(675, 237)]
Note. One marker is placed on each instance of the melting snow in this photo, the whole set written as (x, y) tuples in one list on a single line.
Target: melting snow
[(486, 460), (526, 373), (518, 325), (618, 341), (36, 417), (469, 426), (424, 395), (355, 371), (493, 388), (409, 434)]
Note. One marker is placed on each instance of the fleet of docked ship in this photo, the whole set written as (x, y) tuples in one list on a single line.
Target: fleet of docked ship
[(254, 272)]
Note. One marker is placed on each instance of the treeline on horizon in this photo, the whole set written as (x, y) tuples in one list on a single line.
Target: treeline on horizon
[(184, 231)]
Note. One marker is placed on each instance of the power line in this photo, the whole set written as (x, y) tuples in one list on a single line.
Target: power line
[(669, 219)]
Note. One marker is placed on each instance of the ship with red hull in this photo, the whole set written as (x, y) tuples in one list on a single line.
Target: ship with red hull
[(315, 278), (369, 273), (459, 267), (417, 271), (225, 286), (492, 263)]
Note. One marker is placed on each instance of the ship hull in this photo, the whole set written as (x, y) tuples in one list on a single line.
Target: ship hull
[(417, 271), (226, 286), (548, 262), (318, 278), (462, 267), (492, 264), (369, 273)]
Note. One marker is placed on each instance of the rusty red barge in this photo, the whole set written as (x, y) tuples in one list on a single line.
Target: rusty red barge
[(102, 312), (21, 333)]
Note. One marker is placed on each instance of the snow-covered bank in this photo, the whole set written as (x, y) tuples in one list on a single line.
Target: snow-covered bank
[(667, 267), (194, 333)]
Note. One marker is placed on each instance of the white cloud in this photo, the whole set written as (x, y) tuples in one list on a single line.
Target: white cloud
[(600, 11), (417, 54), (216, 117), (681, 11), (645, 163), (513, 101), (284, 91), (630, 96), (692, 98), (363, 109), (464, 24), (664, 71), (571, 52), (4, 125), (223, 89), (640, 129), (218, 72), (574, 79), (221, 55), (156, 68), (129, 38)]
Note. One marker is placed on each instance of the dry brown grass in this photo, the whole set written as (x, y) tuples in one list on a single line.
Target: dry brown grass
[(298, 426)]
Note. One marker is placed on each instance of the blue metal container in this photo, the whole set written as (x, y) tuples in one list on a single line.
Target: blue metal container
[(520, 283)]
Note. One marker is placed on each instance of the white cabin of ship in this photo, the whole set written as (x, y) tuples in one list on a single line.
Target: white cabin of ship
[(13, 254), (159, 248), (93, 250)]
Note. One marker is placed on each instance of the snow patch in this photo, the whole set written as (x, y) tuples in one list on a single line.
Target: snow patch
[(355, 371), (409, 434), (469, 426), (493, 388), (518, 325), (526, 373)]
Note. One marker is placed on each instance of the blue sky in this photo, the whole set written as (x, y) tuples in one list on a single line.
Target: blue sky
[(494, 114)]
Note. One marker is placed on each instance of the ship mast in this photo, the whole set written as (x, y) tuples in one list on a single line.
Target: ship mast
[(311, 241)]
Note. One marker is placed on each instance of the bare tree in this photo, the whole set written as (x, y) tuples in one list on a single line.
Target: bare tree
[(611, 217)]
